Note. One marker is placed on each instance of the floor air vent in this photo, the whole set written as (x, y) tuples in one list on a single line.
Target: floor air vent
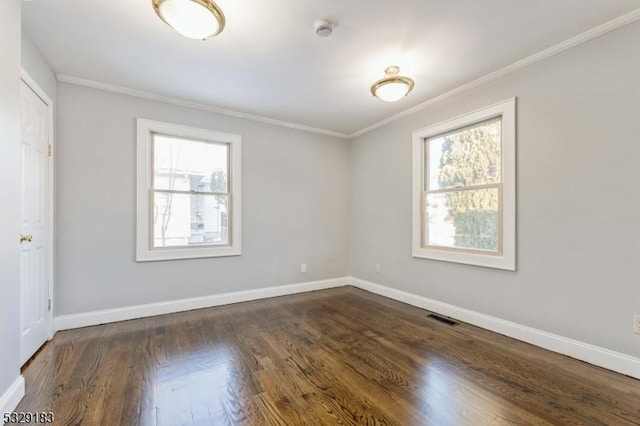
[(444, 320)]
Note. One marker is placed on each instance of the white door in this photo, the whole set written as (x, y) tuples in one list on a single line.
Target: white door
[(34, 270)]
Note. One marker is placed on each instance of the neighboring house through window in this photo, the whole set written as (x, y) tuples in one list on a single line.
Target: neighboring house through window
[(188, 192), (464, 189)]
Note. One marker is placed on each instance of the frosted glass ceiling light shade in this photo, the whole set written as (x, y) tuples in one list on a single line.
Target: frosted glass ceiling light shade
[(197, 19), (393, 87)]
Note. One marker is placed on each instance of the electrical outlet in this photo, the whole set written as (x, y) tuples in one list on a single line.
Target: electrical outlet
[(378, 268), (303, 267), (636, 324)]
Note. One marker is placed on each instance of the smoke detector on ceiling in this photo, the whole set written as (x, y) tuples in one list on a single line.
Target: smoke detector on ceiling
[(324, 28)]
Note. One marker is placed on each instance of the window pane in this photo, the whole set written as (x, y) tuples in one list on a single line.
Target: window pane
[(190, 219), (463, 219), (188, 165), (470, 156)]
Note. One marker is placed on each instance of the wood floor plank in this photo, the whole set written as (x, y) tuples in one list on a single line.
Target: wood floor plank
[(334, 357)]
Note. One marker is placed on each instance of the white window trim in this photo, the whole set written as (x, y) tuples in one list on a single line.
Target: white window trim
[(144, 252), (507, 259)]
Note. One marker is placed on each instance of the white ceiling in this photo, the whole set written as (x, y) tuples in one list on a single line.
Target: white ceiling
[(269, 62)]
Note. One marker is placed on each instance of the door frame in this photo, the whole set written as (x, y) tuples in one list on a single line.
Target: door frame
[(33, 85)]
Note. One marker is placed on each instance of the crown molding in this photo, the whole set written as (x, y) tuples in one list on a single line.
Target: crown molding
[(584, 37), (64, 78)]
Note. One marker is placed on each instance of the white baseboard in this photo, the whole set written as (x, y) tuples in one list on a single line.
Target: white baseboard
[(595, 355), (66, 322), (11, 398)]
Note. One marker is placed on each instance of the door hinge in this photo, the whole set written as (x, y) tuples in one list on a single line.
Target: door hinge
[(50, 150), (49, 305)]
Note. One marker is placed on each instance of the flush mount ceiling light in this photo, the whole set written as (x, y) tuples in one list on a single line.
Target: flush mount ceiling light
[(393, 87), (197, 19)]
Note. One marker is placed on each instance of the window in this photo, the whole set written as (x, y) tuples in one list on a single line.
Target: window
[(464, 189), (188, 192)]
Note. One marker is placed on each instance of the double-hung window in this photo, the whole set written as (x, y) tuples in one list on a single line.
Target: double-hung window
[(188, 192), (464, 189)]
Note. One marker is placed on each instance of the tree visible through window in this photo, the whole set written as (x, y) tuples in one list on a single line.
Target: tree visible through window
[(463, 188)]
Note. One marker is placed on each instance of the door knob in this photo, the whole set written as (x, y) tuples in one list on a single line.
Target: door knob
[(28, 238)]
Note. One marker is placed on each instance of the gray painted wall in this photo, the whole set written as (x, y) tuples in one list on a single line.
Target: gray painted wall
[(306, 196), (295, 207), (578, 207), (37, 67), (9, 192)]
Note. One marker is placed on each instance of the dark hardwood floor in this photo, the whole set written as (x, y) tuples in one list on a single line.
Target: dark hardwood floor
[(334, 357)]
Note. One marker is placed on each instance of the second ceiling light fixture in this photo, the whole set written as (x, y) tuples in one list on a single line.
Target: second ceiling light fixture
[(201, 19), (392, 87)]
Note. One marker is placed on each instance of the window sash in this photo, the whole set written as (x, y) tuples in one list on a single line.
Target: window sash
[(153, 190), (428, 140), (425, 216), (190, 192), (152, 168), (459, 188), (151, 221), (464, 188)]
